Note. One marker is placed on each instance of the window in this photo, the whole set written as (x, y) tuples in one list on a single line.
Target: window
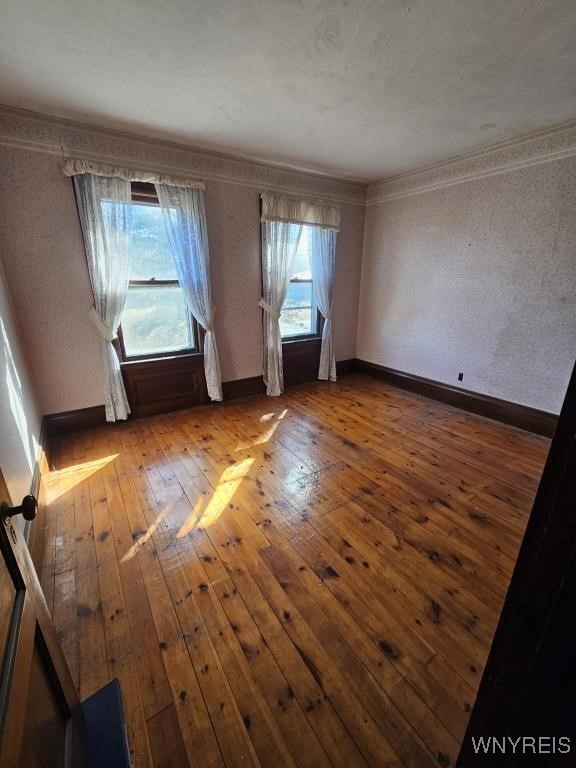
[(299, 314), (155, 321)]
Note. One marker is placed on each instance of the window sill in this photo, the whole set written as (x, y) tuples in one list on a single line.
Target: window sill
[(164, 358), (301, 339)]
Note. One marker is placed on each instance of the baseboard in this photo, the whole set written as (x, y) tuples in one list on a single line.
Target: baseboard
[(74, 421), (254, 385), (530, 419), (343, 367)]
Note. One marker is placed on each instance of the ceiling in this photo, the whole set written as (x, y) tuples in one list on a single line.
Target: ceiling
[(361, 89)]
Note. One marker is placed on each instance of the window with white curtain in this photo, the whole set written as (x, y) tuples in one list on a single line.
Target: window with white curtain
[(156, 321), (298, 259), (300, 317)]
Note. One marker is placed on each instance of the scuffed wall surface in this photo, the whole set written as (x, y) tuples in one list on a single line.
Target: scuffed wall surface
[(45, 263), (19, 418), (478, 277)]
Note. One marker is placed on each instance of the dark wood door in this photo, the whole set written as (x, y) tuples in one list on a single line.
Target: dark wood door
[(529, 681), (40, 717)]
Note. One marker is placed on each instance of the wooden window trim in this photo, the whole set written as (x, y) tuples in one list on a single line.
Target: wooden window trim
[(319, 322)]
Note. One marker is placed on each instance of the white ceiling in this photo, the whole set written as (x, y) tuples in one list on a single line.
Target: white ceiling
[(357, 88)]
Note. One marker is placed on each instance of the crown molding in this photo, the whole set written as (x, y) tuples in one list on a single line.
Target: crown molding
[(31, 131), (556, 143)]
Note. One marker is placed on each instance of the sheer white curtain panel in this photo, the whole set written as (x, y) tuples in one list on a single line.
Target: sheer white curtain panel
[(279, 245), (323, 252), (104, 203), (185, 222)]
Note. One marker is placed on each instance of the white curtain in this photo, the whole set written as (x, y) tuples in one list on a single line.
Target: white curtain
[(185, 221), (105, 210), (323, 251), (279, 244)]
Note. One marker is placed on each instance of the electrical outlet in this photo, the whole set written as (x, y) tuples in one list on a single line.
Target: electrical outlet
[(460, 376)]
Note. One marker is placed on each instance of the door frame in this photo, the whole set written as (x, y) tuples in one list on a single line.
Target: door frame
[(528, 684)]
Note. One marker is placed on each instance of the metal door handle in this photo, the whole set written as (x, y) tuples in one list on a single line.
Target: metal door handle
[(27, 509)]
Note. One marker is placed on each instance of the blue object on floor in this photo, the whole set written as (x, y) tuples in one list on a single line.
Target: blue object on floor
[(105, 730)]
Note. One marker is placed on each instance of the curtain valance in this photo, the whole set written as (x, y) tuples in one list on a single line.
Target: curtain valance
[(77, 167), (299, 211)]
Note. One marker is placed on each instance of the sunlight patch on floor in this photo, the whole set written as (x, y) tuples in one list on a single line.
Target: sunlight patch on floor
[(223, 494), (61, 481), (141, 540), (275, 418)]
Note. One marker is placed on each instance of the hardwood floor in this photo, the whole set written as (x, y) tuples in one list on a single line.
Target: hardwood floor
[(307, 580)]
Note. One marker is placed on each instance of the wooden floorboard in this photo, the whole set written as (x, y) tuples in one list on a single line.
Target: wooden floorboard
[(307, 580)]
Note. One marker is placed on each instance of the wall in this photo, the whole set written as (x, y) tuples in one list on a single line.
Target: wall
[(19, 418), (46, 265), (471, 266)]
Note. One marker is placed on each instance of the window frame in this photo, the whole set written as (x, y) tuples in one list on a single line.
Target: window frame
[(319, 319), (144, 192)]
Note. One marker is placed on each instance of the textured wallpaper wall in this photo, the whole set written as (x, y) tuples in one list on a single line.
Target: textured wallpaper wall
[(476, 274), (45, 263)]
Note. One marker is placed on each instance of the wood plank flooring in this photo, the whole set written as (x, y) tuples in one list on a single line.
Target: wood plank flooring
[(309, 580)]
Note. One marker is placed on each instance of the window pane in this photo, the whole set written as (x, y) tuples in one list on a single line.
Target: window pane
[(296, 322), (299, 315), (156, 320), (151, 256), (299, 295)]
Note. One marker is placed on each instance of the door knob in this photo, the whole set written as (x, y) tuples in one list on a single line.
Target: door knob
[(27, 509)]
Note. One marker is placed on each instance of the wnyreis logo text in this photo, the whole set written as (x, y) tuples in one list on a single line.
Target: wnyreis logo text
[(526, 745)]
